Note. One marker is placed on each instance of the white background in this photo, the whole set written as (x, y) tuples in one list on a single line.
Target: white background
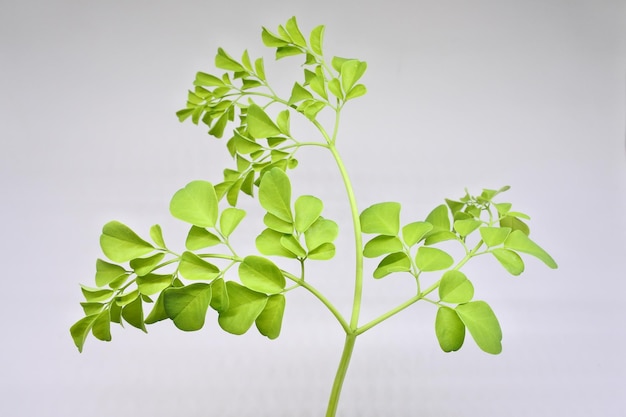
[(461, 94)]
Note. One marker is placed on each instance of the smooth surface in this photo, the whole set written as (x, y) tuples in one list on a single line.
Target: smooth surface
[(461, 94)]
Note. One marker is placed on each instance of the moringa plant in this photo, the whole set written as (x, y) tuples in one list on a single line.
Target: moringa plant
[(144, 282)]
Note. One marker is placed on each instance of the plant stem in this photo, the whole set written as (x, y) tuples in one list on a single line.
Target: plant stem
[(333, 401)]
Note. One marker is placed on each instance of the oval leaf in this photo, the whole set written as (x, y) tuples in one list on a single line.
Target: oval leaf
[(382, 245), (120, 244), (482, 325), (230, 219), (381, 218), (268, 243), (193, 267), (414, 232), (199, 237), (321, 231), (323, 252), (519, 241), (432, 259), (494, 236), (275, 194), (244, 307), (510, 260), (455, 288), (449, 329), (395, 262), (187, 306), (270, 320), (143, 266), (308, 209), (196, 203), (106, 273), (261, 275), (260, 125)]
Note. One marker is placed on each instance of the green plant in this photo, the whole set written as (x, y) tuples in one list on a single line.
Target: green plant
[(183, 287)]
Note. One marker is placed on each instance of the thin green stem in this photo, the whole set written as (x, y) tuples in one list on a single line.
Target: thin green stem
[(346, 355)]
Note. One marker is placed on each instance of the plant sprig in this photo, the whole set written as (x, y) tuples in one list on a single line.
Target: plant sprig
[(183, 287)]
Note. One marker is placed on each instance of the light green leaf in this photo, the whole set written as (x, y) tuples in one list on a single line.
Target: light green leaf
[(321, 231), (143, 266), (193, 267), (225, 61), (270, 321), (455, 287), (107, 273), (503, 208), (449, 329), (293, 245), (381, 218), (157, 236), (153, 283), (414, 232), (294, 32), (245, 60), (382, 245), (208, 80), (275, 194), (356, 91), (323, 252), (494, 236), (283, 122), (285, 51), (316, 39), (261, 275), (230, 219), (94, 295), (80, 330), (219, 296), (351, 72), (299, 93), (337, 62), (308, 210), (432, 259), (125, 299), (268, 243), (514, 224), (520, 242), (187, 306), (334, 85), (115, 313), (441, 236), (158, 311), (133, 314), (272, 40), (465, 227), (482, 324), (244, 307), (120, 244), (199, 238), (277, 224), (510, 260), (395, 262), (260, 125), (259, 67), (102, 326), (196, 203), (439, 218), (92, 308)]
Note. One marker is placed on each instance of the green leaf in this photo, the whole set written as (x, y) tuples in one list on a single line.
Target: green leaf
[(514, 224), (321, 231), (382, 245), (125, 299), (334, 85), (261, 275), (432, 259), (381, 218), (245, 60), (208, 80), (157, 236), (351, 72), (494, 236), (102, 326), (337, 62), (293, 245), (158, 312), (219, 296), (270, 321), (259, 67), (277, 224), (449, 329), (196, 203), (260, 125), (299, 93), (308, 210), (414, 232), (275, 194), (80, 330), (285, 51), (441, 236), (272, 40), (268, 243), (120, 244), (219, 126), (465, 227), (107, 273), (455, 288), (187, 306), (199, 238), (225, 61), (92, 308), (133, 314), (244, 307), (153, 283), (519, 241), (482, 324), (439, 218), (356, 91), (94, 295), (230, 219), (323, 252), (395, 262), (143, 266), (510, 260), (316, 39), (294, 32), (193, 267), (283, 122)]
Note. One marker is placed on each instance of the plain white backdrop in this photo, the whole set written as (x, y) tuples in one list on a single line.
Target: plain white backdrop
[(461, 94)]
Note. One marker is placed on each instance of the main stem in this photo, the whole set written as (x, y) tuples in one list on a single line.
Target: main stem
[(351, 332)]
